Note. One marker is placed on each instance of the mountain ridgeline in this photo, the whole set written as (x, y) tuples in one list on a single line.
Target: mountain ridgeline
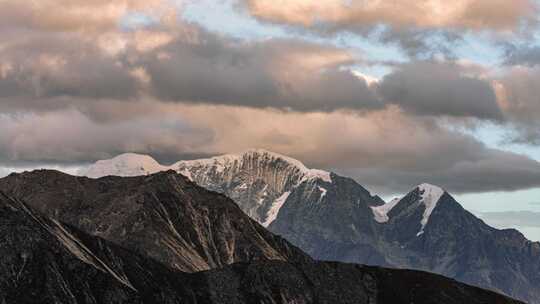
[(334, 218), (162, 239)]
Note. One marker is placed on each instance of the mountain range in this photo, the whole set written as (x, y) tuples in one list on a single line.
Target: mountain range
[(162, 239), (334, 218)]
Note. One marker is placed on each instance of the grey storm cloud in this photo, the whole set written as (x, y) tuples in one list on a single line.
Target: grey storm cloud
[(281, 74), (493, 170), (55, 66), (431, 88), (75, 90), (71, 137), (386, 151), (59, 70), (417, 151)]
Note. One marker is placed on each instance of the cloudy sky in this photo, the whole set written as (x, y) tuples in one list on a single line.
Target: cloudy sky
[(392, 93)]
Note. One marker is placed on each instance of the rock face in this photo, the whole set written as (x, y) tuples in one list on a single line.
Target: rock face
[(260, 181), (426, 230), (334, 218), (44, 260), (338, 226), (163, 216), (435, 233)]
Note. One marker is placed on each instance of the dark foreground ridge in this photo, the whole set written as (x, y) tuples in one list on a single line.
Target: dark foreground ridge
[(163, 216), (43, 259)]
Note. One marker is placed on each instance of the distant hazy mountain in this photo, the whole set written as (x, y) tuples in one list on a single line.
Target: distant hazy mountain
[(334, 218), (65, 239)]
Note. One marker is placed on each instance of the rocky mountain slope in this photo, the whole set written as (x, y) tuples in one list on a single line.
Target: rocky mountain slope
[(45, 260), (163, 216), (429, 230), (334, 218)]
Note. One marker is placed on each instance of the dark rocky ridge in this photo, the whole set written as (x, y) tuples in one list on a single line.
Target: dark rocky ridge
[(43, 260), (163, 216)]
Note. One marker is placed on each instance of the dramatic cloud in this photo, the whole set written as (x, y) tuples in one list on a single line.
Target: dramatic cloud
[(384, 150), (421, 28), (54, 66), (73, 15), (518, 92), (279, 74), (79, 83), (431, 88), (493, 171), (69, 136), (185, 64), (339, 15)]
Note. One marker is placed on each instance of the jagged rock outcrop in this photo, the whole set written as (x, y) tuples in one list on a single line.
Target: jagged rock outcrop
[(43, 260)]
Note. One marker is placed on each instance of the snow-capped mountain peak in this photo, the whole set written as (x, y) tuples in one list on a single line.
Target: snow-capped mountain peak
[(258, 178), (430, 196), (127, 164), (220, 163), (269, 175)]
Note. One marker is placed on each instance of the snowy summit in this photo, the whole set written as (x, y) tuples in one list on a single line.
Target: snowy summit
[(430, 196)]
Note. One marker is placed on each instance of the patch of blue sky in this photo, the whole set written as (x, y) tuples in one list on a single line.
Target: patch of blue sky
[(532, 233), (136, 20), (225, 18), (496, 136), (479, 48), (523, 200)]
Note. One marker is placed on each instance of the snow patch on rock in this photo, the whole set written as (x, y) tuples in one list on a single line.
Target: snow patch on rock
[(323, 192), (128, 164), (430, 196), (274, 209), (380, 213)]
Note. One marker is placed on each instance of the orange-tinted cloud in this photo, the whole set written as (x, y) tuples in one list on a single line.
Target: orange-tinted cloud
[(497, 15), (73, 15)]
